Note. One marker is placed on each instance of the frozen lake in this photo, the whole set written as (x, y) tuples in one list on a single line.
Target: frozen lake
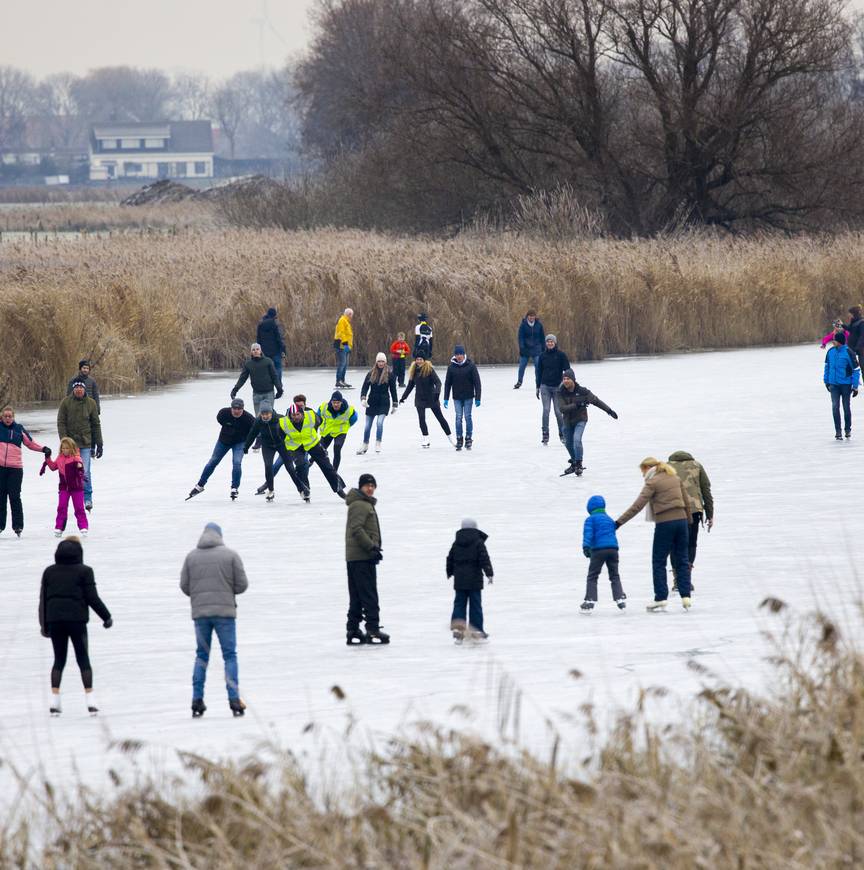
[(759, 420)]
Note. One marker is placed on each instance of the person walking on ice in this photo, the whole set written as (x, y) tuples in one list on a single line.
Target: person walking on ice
[(261, 374), (841, 376), (78, 419), (343, 343), (697, 485), (423, 378), (337, 417), (549, 370), (71, 471), (400, 351), (467, 562), (212, 577), (530, 338), (270, 336), (13, 436), (379, 388), (423, 337), (573, 402), (600, 545), (67, 593), (464, 379), (362, 555)]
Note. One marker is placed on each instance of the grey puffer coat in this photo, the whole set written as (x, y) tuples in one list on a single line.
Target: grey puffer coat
[(212, 576)]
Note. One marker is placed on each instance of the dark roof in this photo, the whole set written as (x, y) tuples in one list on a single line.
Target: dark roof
[(186, 136)]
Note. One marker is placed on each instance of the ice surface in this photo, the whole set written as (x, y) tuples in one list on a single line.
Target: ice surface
[(759, 420)]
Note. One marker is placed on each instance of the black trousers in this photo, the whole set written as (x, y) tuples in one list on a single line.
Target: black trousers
[(439, 416), (267, 454), (61, 633), (399, 371), (319, 456), (695, 522), (599, 558), (10, 488), (362, 595), (337, 442)]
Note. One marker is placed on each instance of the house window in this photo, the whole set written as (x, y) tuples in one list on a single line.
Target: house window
[(133, 168), (110, 170), (200, 167), (154, 143), (180, 168), (130, 143), (108, 144)]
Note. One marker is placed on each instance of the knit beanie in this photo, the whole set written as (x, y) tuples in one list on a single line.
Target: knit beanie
[(381, 357), (79, 384), (255, 346), (83, 362), (568, 373), (336, 397), (237, 403), (459, 349), (468, 523), (366, 478), (552, 337), (271, 312), (264, 407)]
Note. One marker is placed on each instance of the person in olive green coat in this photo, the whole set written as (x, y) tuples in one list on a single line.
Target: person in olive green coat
[(697, 485), (78, 419), (362, 555)]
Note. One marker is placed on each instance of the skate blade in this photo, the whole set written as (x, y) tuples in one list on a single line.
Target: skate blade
[(55, 714)]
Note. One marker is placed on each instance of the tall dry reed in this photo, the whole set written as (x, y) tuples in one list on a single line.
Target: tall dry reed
[(154, 308)]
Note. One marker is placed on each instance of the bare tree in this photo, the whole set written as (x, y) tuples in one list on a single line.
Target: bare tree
[(122, 93), (58, 111), (231, 109), (17, 102), (191, 96)]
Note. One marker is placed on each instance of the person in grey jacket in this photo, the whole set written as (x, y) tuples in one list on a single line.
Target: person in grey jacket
[(261, 373), (212, 577), (91, 388)]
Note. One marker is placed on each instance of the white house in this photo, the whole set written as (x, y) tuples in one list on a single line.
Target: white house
[(170, 149)]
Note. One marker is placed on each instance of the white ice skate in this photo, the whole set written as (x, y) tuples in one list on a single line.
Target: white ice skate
[(656, 607), (364, 447), (56, 707), (424, 442), (269, 495), (377, 446)]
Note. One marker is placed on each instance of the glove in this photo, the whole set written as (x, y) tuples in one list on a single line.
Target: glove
[(586, 552), (613, 415), (395, 408), (279, 394), (709, 524), (108, 623), (476, 403), (336, 344), (245, 451), (854, 393), (377, 555), (446, 402), (98, 453), (617, 525), (233, 394), (828, 387), (537, 393), (46, 451)]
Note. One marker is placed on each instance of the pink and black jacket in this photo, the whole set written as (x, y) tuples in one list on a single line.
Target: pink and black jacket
[(11, 439)]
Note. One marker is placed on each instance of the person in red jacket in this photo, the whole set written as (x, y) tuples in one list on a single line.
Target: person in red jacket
[(12, 437), (399, 351)]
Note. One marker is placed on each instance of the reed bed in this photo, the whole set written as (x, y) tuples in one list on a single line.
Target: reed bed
[(151, 309), (740, 781)]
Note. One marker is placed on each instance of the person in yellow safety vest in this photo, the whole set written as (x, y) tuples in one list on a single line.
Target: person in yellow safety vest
[(343, 342), (301, 438), (337, 418)]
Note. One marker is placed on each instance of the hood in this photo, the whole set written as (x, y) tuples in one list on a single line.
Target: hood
[(210, 538), (681, 456), (69, 553), (469, 536), (356, 495), (457, 363), (596, 503)]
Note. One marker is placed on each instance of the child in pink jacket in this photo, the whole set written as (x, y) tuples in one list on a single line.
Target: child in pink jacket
[(71, 469), (836, 326)]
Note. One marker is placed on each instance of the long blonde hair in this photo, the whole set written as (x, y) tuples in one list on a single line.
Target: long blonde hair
[(661, 467), (70, 443), (379, 376), (426, 369)]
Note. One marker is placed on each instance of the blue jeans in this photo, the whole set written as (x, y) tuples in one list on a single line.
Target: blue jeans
[(226, 630), (379, 427), (461, 602), (523, 364), (277, 362), (838, 392), (671, 538), (573, 440), (88, 480), (219, 452), (464, 406), (342, 363)]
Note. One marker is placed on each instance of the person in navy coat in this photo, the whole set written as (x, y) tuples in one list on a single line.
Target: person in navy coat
[(531, 343)]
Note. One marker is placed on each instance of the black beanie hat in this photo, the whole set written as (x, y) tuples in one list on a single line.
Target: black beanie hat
[(840, 337), (336, 397), (271, 312), (82, 363), (366, 478)]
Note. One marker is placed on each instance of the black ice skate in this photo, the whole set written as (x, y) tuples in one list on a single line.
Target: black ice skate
[(469, 443), (586, 606), (517, 385), (377, 637), (92, 709), (196, 490), (545, 441), (233, 493), (198, 708), (622, 603), (570, 469), (355, 637), (261, 489), (238, 708), (579, 468), (458, 443)]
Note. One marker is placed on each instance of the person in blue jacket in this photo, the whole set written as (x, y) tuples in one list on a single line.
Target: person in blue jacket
[(600, 545), (841, 377), (531, 336)]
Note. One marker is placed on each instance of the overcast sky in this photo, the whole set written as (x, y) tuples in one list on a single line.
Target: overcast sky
[(218, 37)]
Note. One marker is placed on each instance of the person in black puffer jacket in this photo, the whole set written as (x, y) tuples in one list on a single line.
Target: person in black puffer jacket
[(467, 562), (271, 338), (235, 424), (379, 387), (573, 400), (266, 428), (551, 366), (67, 593), (464, 379), (422, 377)]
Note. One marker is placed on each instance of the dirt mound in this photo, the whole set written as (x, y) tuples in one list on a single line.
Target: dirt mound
[(158, 192), (254, 185)]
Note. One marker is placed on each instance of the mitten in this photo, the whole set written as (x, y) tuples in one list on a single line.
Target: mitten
[(446, 403), (46, 451), (108, 623), (98, 453), (613, 415), (586, 552), (476, 403)]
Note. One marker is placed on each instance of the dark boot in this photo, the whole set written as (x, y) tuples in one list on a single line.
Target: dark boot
[(355, 637), (238, 708), (458, 443), (198, 708)]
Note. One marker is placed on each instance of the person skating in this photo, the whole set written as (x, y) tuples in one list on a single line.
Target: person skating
[(550, 367), (670, 510), (267, 427), (467, 562), (573, 402), (343, 343), (422, 337), (423, 377), (235, 424), (270, 336), (212, 577), (12, 437), (836, 326), (337, 417), (362, 555), (91, 388), (600, 546), (530, 337), (71, 487), (78, 419), (67, 593), (261, 374), (855, 329), (697, 485), (400, 351), (841, 376), (302, 439), (379, 387), (464, 380)]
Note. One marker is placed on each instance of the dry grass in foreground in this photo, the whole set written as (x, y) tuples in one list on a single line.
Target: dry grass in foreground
[(149, 309), (742, 782)]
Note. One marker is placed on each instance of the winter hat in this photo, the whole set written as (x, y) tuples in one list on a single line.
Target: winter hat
[(83, 362), (596, 503), (255, 346), (568, 373), (294, 409), (421, 315), (840, 337), (264, 407), (459, 349), (366, 478), (336, 397), (381, 357), (213, 527), (271, 312), (468, 523), (79, 384), (237, 403), (552, 337)]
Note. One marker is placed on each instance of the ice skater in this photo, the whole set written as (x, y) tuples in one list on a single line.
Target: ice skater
[(379, 387), (400, 351), (302, 439), (573, 402), (261, 374), (697, 485), (71, 488), (841, 376), (464, 379), (551, 365), (267, 427), (600, 545), (12, 437), (423, 337), (67, 593), (467, 562), (337, 417), (530, 338), (423, 378)]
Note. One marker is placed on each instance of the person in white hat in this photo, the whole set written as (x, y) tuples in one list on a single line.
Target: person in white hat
[(379, 388)]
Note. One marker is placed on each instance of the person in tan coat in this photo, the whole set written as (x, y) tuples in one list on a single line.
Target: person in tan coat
[(670, 510)]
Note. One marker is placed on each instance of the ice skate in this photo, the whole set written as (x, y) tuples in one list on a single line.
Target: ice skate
[(622, 603), (306, 494), (238, 707), (838, 436), (17, 532), (377, 637), (458, 636), (424, 442), (269, 495), (261, 489), (88, 505), (56, 707), (198, 708), (545, 441), (92, 709), (84, 532), (469, 443), (587, 606), (517, 385), (656, 606), (570, 469), (686, 603), (377, 446), (477, 636), (452, 441), (458, 444), (848, 433), (363, 448), (196, 490), (579, 468), (234, 493), (355, 637), (58, 533)]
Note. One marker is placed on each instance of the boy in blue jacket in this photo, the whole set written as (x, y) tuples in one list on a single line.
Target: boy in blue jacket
[(600, 545), (841, 379)]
